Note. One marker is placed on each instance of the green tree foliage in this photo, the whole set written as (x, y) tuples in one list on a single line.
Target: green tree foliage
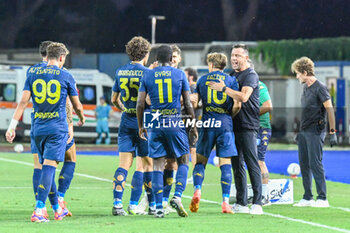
[(281, 54)]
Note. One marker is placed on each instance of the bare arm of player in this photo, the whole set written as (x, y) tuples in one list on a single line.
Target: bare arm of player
[(330, 112), (265, 107), (140, 108), (190, 111), (69, 112), (236, 108), (194, 99), (148, 100), (241, 96), (115, 99), (11, 131), (78, 108)]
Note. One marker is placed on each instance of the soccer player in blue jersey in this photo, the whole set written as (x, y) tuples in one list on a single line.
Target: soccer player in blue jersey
[(66, 174), (126, 88), (49, 87), (165, 85), (218, 107), (67, 171)]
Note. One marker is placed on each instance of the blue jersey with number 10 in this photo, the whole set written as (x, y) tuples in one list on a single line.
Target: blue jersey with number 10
[(216, 104), (49, 87)]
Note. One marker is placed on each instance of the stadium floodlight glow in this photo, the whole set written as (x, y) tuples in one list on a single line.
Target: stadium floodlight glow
[(154, 19)]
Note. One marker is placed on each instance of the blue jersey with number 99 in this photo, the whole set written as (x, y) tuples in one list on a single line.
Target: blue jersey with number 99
[(49, 87)]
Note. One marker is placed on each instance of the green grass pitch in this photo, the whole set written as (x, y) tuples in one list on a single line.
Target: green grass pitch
[(90, 201)]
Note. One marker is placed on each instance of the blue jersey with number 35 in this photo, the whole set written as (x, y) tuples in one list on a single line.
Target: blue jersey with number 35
[(49, 87), (127, 82)]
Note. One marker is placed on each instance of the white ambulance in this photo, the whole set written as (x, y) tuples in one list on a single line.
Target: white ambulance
[(91, 84)]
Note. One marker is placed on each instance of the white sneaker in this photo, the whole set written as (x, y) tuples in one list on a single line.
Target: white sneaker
[(304, 203), (190, 180), (256, 209), (240, 209), (167, 208), (321, 203), (143, 204)]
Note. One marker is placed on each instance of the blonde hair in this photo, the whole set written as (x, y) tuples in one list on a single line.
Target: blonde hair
[(55, 50), (219, 60), (304, 64)]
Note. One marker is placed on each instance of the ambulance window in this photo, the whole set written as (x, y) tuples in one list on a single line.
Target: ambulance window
[(87, 94), (8, 92), (107, 92)]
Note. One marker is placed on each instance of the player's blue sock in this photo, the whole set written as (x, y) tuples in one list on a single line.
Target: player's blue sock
[(36, 178), (118, 185), (136, 187), (65, 178), (168, 181), (45, 182), (226, 180), (198, 176), (181, 179), (53, 194), (147, 179), (157, 188)]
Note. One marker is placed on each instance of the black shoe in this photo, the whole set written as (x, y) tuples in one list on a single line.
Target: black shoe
[(159, 213), (151, 211), (118, 211), (176, 204)]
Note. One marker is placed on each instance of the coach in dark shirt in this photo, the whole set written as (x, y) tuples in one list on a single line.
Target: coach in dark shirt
[(246, 125), (315, 103)]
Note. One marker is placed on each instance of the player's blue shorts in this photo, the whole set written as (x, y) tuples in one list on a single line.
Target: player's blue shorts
[(52, 147), (129, 141), (262, 141), (224, 141), (70, 144), (164, 142), (33, 148), (102, 126)]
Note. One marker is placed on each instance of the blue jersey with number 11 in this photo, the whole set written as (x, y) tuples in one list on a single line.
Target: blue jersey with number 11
[(165, 85), (49, 87)]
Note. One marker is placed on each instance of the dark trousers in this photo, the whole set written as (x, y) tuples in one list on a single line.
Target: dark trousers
[(310, 158), (247, 152)]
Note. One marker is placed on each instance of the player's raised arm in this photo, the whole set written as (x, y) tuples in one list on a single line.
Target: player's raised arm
[(11, 131)]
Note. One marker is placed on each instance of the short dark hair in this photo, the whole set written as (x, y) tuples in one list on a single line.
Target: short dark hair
[(164, 54), (55, 50), (176, 48), (192, 72), (137, 48), (43, 46), (242, 46)]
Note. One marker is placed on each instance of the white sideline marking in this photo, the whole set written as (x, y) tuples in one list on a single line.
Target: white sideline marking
[(306, 222), (209, 201)]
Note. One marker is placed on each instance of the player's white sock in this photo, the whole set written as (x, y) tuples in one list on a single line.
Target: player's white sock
[(265, 190)]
